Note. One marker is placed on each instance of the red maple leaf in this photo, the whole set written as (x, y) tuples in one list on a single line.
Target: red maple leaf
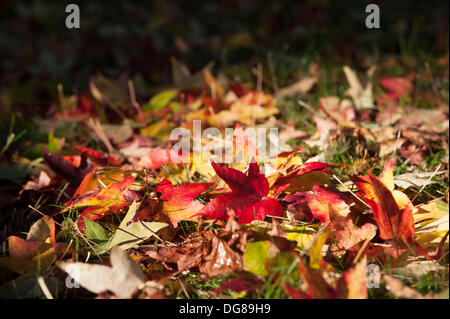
[(247, 198)]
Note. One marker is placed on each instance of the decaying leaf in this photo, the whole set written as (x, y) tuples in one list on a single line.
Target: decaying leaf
[(298, 88), (212, 254)]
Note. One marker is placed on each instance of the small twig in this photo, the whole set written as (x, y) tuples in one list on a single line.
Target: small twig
[(97, 128), (37, 211), (433, 83), (134, 102), (188, 172), (358, 255), (89, 244), (348, 189), (285, 218), (156, 236), (426, 183), (211, 225), (272, 72), (184, 289), (146, 181)]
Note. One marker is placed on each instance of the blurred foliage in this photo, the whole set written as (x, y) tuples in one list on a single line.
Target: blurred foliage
[(139, 37)]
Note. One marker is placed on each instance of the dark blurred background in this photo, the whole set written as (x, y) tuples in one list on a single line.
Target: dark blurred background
[(136, 39)]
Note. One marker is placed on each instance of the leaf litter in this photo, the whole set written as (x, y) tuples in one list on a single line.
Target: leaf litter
[(288, 220)]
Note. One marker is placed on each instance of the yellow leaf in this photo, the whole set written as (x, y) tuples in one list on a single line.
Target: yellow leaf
[(431, 223)]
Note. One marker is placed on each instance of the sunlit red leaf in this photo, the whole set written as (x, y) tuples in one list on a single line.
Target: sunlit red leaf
[(347, 234), (353, 283), (238, 89), (318, 288), (247, 198)]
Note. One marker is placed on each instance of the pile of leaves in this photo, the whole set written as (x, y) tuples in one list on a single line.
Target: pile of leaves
[(116, 211)]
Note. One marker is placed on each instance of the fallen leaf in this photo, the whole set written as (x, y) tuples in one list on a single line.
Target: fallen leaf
[(300, 87), (417, 179), (42, 182), (396, 87), (248, 197), (124, 278), (256, 254), (392, 209), (352, 284), (179, 202), (221, 258), (322, 203), (65, 169), (362, 97), (431, 223), (110, 199), (239, 284), (347, 234)]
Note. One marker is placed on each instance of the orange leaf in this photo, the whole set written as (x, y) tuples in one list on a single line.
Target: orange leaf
[(393, 222), (22, 248), (109, 199), (179, 203)]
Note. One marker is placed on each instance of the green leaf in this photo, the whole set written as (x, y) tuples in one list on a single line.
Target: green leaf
[(94, 231), (255, 256), (160, 100), (54, 143)]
